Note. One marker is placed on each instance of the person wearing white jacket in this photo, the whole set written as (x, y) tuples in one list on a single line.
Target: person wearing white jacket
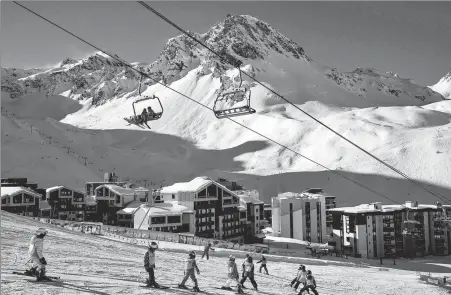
[(36, 255)]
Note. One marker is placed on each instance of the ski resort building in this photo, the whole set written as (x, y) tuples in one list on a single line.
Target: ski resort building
[(64, 203), (380, 231), (165, 217), (22, 182), (300, 216), (215, 207), (109, 178), (20, 200), (126, 216), (255, 216), (110, 199)]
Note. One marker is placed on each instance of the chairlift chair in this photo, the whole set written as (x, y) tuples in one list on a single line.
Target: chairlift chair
[(233, 94), (138, 119)]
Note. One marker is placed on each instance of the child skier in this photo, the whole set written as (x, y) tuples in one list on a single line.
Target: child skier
[(232, 275), (149, 265), (301, 277), (249, 273), (206, 250), (35, 253), (263, 264), (242, 272), (190, 267), (310, 284)]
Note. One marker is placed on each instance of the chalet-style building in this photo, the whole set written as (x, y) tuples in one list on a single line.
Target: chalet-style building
[(23, 182), (216, 208), (20, 200), (66, 203), (109, 178)]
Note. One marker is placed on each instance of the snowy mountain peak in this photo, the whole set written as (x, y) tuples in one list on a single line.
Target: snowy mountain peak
[(443, 86)]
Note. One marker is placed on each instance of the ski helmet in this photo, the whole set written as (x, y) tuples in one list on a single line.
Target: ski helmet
[(232, 258), (301, 266), (41, 231), (153, 245), (248, 255), (309, 272), (192, 254)]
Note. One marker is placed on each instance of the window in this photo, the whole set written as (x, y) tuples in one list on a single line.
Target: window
[(173, 196), (4, 201), (174, 219), (158, 220), (118, 199)]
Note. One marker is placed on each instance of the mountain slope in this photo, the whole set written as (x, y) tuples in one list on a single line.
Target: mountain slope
[(443, 86), (401, 122)]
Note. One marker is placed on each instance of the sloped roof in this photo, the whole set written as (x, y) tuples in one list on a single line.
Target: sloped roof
[(90, 200), (248, 199), (118, 189), (192, 186), (53, 188), (131, 208), (12, 190)]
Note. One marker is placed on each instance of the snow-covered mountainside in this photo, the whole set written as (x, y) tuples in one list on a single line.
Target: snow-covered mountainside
[(90, 264), (406, 124), (443, 86)]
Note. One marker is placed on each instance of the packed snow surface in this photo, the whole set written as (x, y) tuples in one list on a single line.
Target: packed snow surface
[(94, 265)]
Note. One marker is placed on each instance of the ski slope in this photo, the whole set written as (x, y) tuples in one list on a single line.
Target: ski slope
[(95, 265)]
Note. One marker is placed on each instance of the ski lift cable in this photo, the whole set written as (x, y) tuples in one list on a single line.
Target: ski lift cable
[(205, 106), (439, 196)]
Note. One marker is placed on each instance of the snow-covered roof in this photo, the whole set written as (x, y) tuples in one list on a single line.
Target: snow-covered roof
[(131, 208), (248, 199), (118, 189), (303, 195), (53, 188), (192, 186), (90, 200), (369, 208), (242, 208), (168, 207), (12, 190)]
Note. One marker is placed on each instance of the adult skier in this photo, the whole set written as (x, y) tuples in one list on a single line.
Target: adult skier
[(232, 274), (249, 273), (301, 277), (149, 265), (36, 256), (190, 267), (207, 250), (263, 265), (310, 284)]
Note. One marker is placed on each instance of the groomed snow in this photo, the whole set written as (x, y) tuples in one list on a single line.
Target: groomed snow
[(90, 264)]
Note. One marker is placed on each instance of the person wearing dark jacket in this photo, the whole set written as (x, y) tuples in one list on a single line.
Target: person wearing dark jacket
[(242, 266), (263, 265), (249, 273), (149, 265), (207, 250), (310, 284)]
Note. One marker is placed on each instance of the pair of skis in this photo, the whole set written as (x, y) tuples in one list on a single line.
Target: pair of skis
[(50, 278)]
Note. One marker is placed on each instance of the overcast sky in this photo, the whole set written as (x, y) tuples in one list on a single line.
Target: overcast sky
[(410, 38)]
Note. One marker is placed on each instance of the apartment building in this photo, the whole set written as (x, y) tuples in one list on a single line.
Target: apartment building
[(255, 216), (215, 207), (377, 231), (300, 215)]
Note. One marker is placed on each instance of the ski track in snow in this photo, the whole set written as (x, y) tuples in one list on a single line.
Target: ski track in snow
[(95, 265)]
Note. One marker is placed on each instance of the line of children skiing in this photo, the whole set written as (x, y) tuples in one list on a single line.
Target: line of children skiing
[(305, 277)]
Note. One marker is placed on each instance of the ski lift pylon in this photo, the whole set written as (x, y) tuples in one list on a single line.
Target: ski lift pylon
[(142, 119), (231, 95)]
